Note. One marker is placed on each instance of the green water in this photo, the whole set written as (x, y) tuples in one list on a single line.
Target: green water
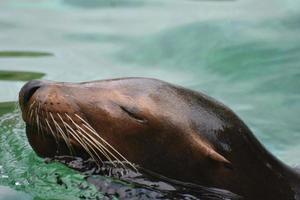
[(244, 53)]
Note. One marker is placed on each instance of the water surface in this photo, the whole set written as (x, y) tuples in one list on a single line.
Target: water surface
[(244, 53)]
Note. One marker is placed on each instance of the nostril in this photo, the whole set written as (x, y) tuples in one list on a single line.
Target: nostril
[(29, 93)]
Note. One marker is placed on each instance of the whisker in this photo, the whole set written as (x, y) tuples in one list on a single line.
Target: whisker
[(52, 132), (91, 129), (92, 147), (37, 121), (63, 122), (31, 105), (99, 148), (38, 111), (90, 143), (86, 136), (64, 135), (59, 130), (31, 115), (79, 140), (101, 145), (97, 135), (42, 125)]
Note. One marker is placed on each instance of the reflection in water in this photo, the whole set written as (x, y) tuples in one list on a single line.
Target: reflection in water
[(19, 75), (7, 107), (94, 37), (6, 25), (183, 46), (103, 3), (291, 22), (24, 54)]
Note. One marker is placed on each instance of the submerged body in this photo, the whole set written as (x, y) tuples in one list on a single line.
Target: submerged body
[(164, 128)]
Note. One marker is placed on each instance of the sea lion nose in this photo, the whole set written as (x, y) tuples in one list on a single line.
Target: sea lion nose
[(29, 89)]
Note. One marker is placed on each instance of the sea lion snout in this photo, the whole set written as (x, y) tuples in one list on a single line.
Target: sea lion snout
[(50, 116), (42, 99)]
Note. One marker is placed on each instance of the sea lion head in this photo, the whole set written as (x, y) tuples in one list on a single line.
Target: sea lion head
[(165, 128)]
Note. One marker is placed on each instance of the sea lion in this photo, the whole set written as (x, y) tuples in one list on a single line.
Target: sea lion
[(170, 130)]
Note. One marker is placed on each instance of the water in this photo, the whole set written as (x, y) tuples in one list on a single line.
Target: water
[(244, 53)]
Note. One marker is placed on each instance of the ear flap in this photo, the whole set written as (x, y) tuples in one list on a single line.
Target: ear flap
[(219, 159), (208, 151)]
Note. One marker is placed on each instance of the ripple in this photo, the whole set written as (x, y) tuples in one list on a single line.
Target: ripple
[(10, 194), (19, 75), (29, 173), (92, 4), (6, 25), (24, 54), (94, 37), (7, 107)]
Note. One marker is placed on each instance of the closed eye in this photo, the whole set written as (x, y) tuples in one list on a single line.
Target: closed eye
[(133, 115)]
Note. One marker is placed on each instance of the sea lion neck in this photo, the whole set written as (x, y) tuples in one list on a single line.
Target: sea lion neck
[(256, 173), (271, 178), (295, 182)]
